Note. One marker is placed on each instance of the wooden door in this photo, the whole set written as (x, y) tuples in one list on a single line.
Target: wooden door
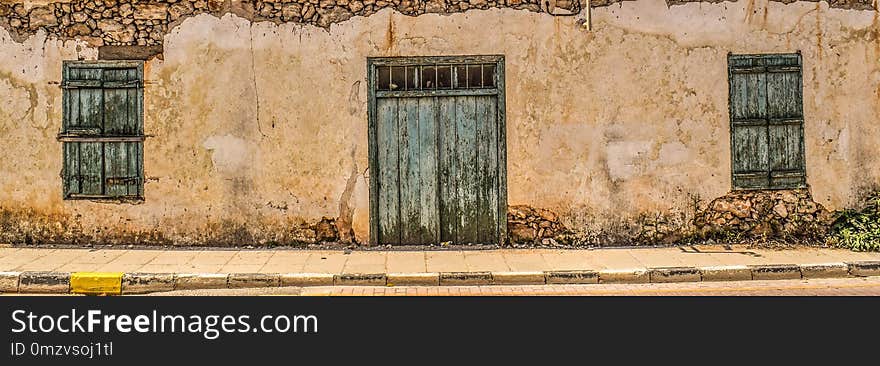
[(437, 151)]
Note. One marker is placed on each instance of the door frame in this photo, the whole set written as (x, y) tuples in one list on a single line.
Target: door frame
[(374, 62)]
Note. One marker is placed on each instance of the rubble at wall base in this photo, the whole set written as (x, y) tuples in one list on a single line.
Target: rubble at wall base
[(784, 215)]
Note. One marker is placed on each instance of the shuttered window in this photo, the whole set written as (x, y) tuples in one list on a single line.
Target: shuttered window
[(102, 129), (766, 121)]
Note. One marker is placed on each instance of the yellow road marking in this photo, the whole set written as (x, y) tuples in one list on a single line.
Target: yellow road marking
[(96, 283)]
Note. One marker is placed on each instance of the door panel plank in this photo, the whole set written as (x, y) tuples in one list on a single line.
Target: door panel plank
[(428, 173), (487, 110), (448, 165), (408, 142), (389, 199), (466, 150), (73, 102)]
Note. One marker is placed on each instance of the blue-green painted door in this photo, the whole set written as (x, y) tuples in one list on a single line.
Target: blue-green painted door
[(438, 163)]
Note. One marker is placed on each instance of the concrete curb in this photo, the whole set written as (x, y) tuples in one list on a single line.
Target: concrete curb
[(518, 278), (95, 283), (360, 279), (675, 274), (9, 281), (824, 270), (571, 277), (465, 278), (200, 281), (864, 268), (624, 276), (776, 272), (141, 283), (253, 280), (726, 273), (306, 279), (44, 282), (413, 279)]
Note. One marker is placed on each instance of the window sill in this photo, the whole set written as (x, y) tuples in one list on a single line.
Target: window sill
[(94, 138), (104, 198), (737, 189)]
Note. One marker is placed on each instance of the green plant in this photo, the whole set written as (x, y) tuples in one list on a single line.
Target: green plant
[(859, 230)]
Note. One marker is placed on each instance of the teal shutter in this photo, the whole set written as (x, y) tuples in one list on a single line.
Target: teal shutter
[(102, 130), (766, 118), (786, 121), (83, 101)]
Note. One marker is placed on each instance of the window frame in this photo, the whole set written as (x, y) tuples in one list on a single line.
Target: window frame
[(67, 135), (802, 170)]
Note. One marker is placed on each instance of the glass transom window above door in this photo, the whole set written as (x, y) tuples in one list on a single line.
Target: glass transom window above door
[(437, 150)]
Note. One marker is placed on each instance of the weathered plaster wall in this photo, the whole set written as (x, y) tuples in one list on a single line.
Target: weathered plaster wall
[(258, 129)]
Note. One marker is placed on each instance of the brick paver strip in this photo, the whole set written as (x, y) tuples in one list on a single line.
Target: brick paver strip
[(851, 286)]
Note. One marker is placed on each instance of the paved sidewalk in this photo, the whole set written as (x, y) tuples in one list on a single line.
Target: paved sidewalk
[(337, 262), (121, 271)]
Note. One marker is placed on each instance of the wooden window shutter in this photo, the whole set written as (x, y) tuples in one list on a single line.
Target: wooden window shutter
[(121, 114), (83, 101), (102, 129), (786, 120), (766, 118), (748, 123)]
